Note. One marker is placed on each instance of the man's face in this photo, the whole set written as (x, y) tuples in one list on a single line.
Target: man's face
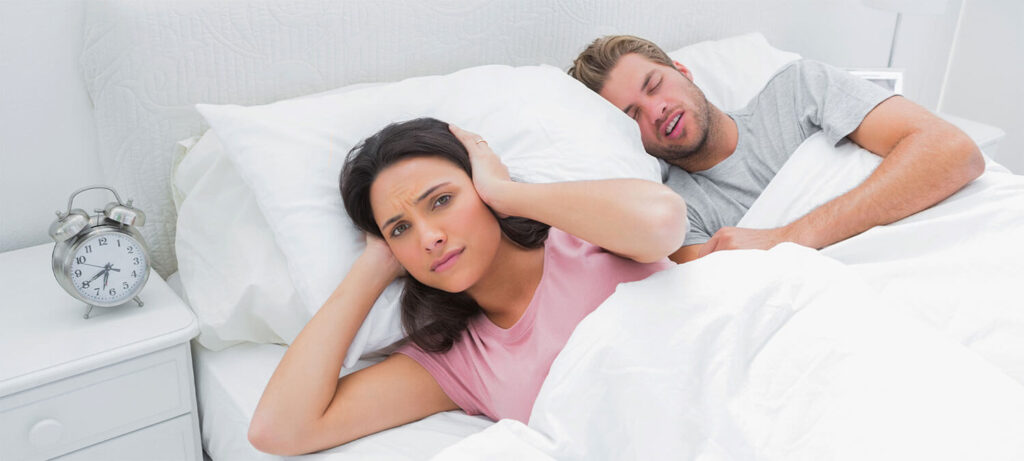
[(672, 112)]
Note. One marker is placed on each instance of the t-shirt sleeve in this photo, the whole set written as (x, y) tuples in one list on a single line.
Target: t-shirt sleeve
[(444, 375), (696, 234), (699, 207), (824, 98)]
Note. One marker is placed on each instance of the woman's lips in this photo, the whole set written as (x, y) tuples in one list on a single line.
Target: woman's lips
[(446, 261)]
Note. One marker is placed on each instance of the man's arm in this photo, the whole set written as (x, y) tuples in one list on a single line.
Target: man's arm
[(924, 160), (686, 254)]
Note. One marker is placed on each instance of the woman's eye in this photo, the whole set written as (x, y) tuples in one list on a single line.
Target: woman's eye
[(397, 230), (442, 200)]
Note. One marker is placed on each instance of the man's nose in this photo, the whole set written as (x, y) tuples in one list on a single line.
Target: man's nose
[(656, 109)]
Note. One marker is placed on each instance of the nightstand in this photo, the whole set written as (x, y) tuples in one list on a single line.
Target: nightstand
[(116, 386), (987, 137)]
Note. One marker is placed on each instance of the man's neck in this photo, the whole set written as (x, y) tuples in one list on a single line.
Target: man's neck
[(722, 137)]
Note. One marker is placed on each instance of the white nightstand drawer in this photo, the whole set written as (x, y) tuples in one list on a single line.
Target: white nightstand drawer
[(82, 410), (168, 441)]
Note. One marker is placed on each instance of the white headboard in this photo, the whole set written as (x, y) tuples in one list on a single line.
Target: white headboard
[(145, 64)]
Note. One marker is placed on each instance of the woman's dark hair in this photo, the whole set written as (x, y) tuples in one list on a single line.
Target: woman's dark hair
[(433, 319)]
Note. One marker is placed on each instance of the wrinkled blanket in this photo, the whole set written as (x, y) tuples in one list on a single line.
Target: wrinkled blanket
[(904, 342)]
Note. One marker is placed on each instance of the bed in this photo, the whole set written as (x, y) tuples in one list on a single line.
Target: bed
[(903, 342), (231, 381)]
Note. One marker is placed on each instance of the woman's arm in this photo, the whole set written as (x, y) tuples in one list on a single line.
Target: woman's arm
[(634, 218), (305, 407)]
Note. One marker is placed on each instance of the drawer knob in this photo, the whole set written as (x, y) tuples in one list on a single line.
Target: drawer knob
[(45, 433)]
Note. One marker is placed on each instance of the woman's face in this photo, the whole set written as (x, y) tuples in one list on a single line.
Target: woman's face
[(435, 223)]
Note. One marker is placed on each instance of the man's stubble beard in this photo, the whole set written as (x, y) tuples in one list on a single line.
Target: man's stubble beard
[(682, 155)]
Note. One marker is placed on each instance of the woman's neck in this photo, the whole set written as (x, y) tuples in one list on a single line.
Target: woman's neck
[(505, 291)]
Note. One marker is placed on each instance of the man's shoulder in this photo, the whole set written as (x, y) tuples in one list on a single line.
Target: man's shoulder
[(802, 66), (797, 73)]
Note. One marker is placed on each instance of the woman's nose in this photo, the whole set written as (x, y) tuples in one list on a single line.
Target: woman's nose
[(433, 239)]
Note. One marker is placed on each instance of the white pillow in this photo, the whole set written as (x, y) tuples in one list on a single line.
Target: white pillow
[(732, 71), (545, 125), (235, 275), (237, 279), (239, 301)]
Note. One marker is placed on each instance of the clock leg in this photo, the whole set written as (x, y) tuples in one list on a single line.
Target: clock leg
[(139, 301), (87, 311)]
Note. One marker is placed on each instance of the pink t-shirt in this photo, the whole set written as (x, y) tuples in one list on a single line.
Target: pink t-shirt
[(498, 372)]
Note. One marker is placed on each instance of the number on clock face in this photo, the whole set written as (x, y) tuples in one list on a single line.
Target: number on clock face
[(108, 268)]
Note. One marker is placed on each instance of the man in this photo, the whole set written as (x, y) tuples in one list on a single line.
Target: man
[(721, 162)]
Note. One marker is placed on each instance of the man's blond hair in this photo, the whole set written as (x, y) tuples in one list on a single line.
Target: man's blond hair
[(595, 62)]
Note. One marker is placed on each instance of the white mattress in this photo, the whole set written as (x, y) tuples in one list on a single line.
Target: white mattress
[(228, 387)]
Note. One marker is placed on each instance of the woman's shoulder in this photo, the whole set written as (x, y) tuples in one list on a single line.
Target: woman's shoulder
[(561, 244)]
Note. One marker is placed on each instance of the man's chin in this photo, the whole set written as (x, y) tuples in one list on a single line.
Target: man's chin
[(671, 155), (678, 154)]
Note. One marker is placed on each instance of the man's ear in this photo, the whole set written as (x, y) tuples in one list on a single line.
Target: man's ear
[(683, 69)]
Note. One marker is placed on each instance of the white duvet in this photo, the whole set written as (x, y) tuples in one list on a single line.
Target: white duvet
[(905, 342)]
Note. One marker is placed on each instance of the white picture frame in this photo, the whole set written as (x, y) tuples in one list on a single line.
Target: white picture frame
[(888, 78)]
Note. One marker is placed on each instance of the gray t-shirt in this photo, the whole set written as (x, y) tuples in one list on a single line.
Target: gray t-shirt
[(801, 99)]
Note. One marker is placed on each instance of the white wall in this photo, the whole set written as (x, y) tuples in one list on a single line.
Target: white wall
[(44, 110), (48, 141), (986, 74), (922, 50)]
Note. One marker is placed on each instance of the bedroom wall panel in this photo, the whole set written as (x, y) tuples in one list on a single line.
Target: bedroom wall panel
[(47, 135), (986, 72), (923, 49), (146, 63)]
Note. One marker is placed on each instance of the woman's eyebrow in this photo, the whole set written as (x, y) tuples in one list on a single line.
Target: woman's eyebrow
[(429, 191), (418, 199)]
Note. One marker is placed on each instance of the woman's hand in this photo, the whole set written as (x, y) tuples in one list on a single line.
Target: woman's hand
[(379, 256), (490, 176)]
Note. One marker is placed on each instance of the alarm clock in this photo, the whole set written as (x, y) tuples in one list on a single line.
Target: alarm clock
[(100, 259)]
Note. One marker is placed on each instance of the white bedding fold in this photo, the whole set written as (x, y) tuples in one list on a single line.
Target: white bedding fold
[(957, 266), (903, 342), (782, 354)]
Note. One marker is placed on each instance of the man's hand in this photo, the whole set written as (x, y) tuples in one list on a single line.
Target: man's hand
[(738, 238)]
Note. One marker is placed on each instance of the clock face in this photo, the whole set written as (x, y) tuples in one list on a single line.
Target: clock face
[(108, 268)]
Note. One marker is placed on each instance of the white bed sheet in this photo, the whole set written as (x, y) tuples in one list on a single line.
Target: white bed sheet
[(228, 387), (784, 354)]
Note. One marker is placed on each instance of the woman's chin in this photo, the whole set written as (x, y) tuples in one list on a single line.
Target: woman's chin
[(447, 284)]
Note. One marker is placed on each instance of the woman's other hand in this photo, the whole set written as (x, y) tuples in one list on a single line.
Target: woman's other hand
[(378, 254), (490, 176)]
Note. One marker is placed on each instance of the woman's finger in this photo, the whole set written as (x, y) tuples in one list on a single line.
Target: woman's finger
[(465, 136), (470, 140)]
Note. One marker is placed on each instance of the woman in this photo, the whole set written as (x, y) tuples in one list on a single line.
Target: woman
[(491, 300)]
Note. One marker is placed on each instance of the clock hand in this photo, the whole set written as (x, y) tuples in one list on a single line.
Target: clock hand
[(98, 274), (106, 275), (93, 265)]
